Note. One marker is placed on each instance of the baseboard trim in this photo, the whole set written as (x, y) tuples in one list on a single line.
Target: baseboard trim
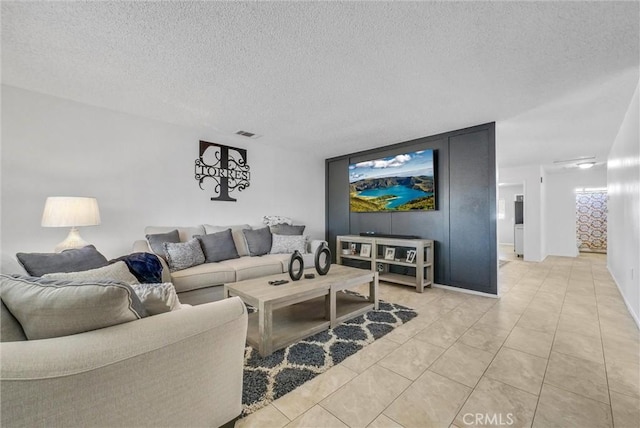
[(624, 299), (464, 290)]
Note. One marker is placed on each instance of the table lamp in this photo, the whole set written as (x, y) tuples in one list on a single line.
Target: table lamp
[(64, 211)]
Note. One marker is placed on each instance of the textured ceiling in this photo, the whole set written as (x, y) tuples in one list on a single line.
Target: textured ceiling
[(333, 77)]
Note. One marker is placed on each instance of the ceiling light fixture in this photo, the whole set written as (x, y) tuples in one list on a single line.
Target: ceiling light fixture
[(586, 165), (584, 158), (248, 134)]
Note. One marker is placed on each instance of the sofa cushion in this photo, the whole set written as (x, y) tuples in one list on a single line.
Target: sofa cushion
[(236, 232), (50, 308), (184, 233), (287, 229), (204, 275), (157, 298), (253, 267), (307, 258), (157, 240), (73, 260), (258, 241), (146, 267), (183, 254), (287, 244), (117, 272), (218, 246), (10, 328)]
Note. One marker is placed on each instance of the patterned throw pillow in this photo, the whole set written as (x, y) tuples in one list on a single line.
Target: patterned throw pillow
[(183, 255), (287, 244), (117, 272), (271, 220)]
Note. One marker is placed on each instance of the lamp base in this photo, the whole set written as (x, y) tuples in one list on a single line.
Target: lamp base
[(74, 240)]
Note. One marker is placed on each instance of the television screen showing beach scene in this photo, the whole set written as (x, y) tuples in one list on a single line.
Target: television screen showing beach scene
[(404, 182)]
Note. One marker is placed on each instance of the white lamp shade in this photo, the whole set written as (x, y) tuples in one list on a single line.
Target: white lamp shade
[(64, 211)]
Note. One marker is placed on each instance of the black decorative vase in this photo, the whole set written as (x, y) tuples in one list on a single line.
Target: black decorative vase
[(296, 265), (323, 267)]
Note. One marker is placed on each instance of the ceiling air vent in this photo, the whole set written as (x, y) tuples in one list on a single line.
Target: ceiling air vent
[(247, 134)]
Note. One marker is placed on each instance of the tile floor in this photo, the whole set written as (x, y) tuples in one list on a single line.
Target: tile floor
[(557, 349)]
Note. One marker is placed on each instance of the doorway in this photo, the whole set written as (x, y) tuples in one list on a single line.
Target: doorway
[(508, 195), (591, 220)]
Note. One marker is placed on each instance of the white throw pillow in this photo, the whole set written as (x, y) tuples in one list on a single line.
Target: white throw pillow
[(157, 298), (117, 272), (287, 244)]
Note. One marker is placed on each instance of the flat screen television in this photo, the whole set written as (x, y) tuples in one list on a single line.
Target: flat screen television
[(405, 182)]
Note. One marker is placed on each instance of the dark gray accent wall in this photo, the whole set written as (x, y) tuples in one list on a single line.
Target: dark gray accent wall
[(464, 225)]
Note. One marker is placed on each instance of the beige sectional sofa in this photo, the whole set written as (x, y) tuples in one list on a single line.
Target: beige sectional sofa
[(203, 283), (180, 368)]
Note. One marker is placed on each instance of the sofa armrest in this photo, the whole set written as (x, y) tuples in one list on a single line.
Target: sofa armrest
[(142, 246), (314, 244), (180, 368)]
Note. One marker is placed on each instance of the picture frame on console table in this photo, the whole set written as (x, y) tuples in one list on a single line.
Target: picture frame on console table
[(365, 250), (389, 253), (411, 256)]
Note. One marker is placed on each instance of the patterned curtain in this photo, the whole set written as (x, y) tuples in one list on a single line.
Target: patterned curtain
[(591, 223)]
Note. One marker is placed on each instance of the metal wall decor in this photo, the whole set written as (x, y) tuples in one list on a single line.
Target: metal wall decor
[(296, 265), (226, 165)]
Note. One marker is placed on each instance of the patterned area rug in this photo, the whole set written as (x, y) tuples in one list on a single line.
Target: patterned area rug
[(269, 378)]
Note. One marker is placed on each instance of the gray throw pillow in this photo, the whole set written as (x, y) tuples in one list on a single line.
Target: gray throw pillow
[(184, 254), (51, 308), (73, 260), (258, 241), (157, 240), (218, 246), (287, 229)]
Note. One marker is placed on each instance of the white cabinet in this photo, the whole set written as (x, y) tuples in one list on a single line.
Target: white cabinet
[(402, 261), (518, 239)]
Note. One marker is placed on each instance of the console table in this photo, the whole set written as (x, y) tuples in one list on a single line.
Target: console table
[(397, 260)]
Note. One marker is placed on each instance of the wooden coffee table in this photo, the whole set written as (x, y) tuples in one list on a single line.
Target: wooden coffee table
[(299, 309)]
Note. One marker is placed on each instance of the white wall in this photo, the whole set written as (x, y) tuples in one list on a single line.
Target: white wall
[(623, 176), (560, 212), (505, 225), (533, 207), (141, 171)]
